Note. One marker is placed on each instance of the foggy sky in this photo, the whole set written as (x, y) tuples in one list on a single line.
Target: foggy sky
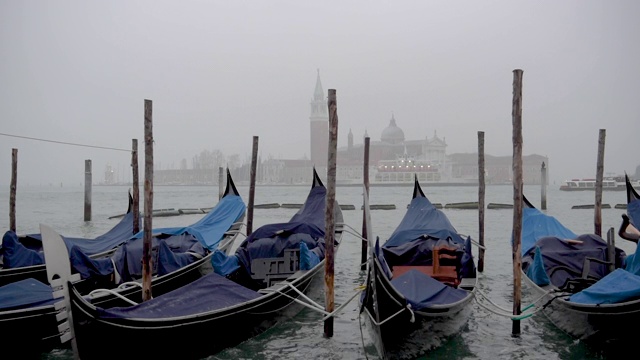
[(221, 72)]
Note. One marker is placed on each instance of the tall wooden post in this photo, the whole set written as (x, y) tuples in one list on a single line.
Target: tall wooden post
[(481, 196), (148, 200), (365, 177), (12, 190), (599, 174), (87, 190), (220, 182), (517, 196), (329, 208), (135, 185), (252, 186), (543, 187)]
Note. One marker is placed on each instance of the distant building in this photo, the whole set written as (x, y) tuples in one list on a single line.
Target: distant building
[(319, 126), (392, 159)]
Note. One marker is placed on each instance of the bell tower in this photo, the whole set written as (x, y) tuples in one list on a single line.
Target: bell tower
[(319, 126)]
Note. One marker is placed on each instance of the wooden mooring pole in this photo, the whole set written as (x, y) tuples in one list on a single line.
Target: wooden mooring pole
[(365, 177), (148, 200), (517, 197), (252, 185), (599, 174), (481, 196), (136, 186), (329, 208), (543, 187), (87, 190), (12, 189)]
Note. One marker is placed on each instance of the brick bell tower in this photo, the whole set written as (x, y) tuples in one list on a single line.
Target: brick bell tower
[(319, 121)]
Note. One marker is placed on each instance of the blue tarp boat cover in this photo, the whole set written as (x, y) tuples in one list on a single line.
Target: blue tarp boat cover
[(563, 260), (536, 224), (270, 241), (199, 238), (618, 286), (422, 291), (210, 292), (211, 228), (25, 293), (17, 254), (423, 227)]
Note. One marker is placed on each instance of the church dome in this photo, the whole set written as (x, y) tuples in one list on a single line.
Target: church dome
[(392, 134)]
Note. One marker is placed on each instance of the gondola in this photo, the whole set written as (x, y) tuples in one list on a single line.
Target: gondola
[(420, 282), (22, 257), (114, 280), (248, 292), (584, 284)]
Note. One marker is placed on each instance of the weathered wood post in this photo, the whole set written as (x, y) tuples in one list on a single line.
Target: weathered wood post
[(365, 177), (220, 182), (543, 187), (252, 185), (599, 174), (481, 196), (136, 186), (12, 189), (87, 190), (148, 200), (329, 208), (517, 196)]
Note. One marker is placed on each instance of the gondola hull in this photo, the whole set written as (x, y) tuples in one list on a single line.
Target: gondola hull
[(189, 337), (401, 333), (420, 283), (604, 322)]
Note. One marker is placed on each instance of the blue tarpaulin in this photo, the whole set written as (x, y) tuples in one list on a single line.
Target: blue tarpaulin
[(536, 224), (199, 238), (422, 291), (25, 293), (422, 228), (618, 286), (270, 241), (16, 254), (210, 292)]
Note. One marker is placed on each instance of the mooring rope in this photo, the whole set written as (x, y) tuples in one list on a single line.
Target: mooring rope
[(506, 312)]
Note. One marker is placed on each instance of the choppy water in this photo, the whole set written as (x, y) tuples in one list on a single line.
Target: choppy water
[(485, 336)]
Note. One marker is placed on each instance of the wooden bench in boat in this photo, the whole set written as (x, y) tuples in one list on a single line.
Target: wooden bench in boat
[(272, 270), (443, 273)]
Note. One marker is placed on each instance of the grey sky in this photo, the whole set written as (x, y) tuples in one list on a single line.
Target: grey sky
[(220, 72)]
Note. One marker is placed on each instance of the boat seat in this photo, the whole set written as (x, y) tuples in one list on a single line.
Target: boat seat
[(447, 274), (271, 270)]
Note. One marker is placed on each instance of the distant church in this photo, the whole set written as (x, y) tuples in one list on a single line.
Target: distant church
[(383, 154)]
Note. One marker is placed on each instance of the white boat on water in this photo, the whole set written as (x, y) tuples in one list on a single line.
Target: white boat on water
[(404, 170), (613, 183)]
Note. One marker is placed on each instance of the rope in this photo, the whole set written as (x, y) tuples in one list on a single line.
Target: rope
[(358, 291), (309, 304), (65, 143), (113, 293), (408, 307), (506, 312)]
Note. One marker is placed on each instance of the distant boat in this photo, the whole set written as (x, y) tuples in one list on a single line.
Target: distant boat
[(613, 183), (402, 170)]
